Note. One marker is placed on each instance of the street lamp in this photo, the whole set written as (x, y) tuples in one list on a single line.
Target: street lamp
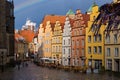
[(24, 54), (91, 64), (35, 48), (69, 60), (2, 67)]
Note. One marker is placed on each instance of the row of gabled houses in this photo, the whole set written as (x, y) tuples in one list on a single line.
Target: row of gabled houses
[(72, 40)]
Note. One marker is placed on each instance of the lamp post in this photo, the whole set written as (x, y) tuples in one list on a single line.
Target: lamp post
[(35, 56), (69, 60), (2, 66), (24, 54), (35, 48), (91, 64)]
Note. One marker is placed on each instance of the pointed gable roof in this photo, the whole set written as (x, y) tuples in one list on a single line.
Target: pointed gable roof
[(19, 38), (90, 8), (70, 12), (27, 34)]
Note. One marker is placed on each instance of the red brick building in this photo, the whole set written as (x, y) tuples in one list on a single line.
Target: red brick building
[(78, 38)]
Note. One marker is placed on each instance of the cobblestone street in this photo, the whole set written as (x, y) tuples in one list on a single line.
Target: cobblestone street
[(33, 72)]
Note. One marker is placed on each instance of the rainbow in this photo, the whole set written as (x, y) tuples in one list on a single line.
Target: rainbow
[(26, 4)]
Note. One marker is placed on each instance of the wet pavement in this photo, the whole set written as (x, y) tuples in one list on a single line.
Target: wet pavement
[(33, 72)]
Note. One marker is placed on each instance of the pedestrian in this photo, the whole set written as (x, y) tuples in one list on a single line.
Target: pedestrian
[(26, 64), (19, 63)]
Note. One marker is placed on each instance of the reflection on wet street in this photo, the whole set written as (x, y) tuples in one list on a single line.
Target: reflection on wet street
[(33, 72)]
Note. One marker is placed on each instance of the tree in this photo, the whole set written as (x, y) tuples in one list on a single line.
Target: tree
[(109, 15)]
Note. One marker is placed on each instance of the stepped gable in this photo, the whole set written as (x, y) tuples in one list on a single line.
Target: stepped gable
[(82, 18), (86, 18), (53, 19)]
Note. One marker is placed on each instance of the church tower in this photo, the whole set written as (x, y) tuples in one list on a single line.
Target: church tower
[(2, 26), (6, 31)]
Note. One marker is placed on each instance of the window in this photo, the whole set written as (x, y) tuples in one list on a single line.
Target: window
[(40, 37), (98, 64), (72, 51), (47, 34), (56, 49), (56, 40), (99, 37), (48, 49), (53, 49), (73, 43), (108, 39), (60, 48), (99, 49), (94, 17), (77, 43), (89, 49), (109, 64), (45, 49), (115, 38), (83, 51), (75, 32), (59, 39), (108, 52), (83, 42), (77, 52), (116, 52), (89, 38), (80, 32), (46, 42), (64, 42), (69, 52), (95, 38), (95, 49), (64, 51), (68, 41)]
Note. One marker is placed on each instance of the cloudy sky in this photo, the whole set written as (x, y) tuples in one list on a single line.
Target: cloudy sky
[(37, 9)]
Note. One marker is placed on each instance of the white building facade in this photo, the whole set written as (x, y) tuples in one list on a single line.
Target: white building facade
[(66, 43)]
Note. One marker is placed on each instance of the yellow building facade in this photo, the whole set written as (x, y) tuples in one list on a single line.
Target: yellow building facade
[(48, 40), (94, 43), (57, 42)]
